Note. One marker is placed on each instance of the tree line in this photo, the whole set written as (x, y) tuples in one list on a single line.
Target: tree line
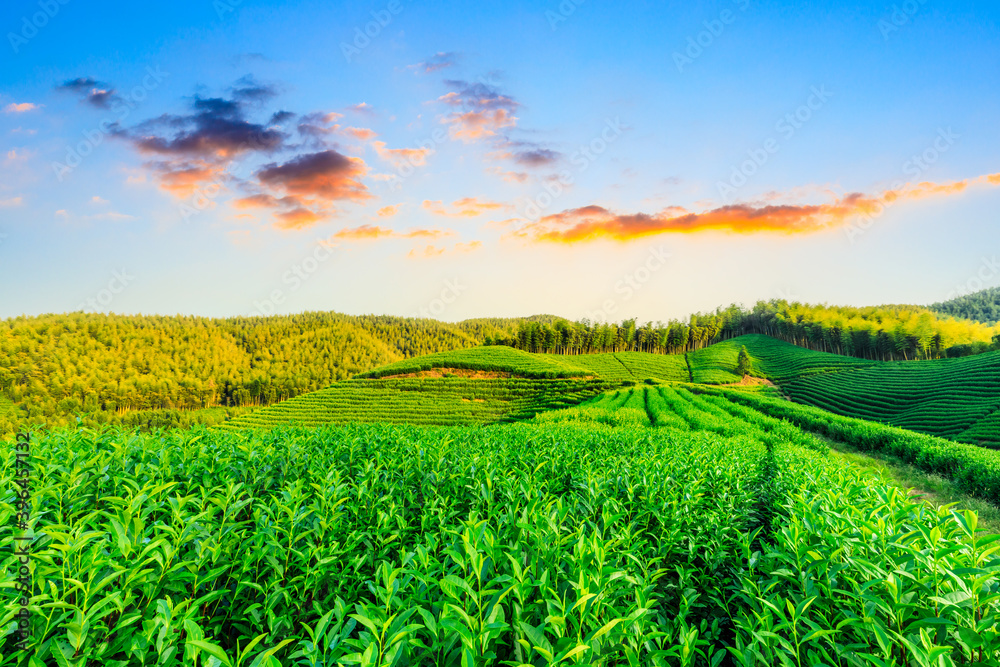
[(982, 306), (885, 333)]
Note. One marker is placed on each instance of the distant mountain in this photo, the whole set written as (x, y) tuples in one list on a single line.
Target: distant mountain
[(982, 306)]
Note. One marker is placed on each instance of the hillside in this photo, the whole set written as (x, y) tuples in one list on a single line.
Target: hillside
[(773, 359), (422, 401), (108, 366), (952, 398), (463, 387), (506, 360), (982, 306)]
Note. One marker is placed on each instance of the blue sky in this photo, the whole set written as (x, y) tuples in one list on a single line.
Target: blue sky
[(601, 160)]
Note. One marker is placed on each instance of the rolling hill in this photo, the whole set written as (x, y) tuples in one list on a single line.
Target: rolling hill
[(774, 359), (952, 398), (423, 401), (982, 306), (949, 398), (957, 398), (469, 386)]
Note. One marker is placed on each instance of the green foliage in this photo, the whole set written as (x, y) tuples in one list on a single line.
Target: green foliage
[(982, 306), (629, 365), (744, 366), (879, 333), (714, 365), (974, 470)]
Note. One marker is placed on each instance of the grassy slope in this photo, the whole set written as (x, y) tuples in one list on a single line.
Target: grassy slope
[(957, 399), (774, 359), (629, 365), (423, 401), (6, 405)]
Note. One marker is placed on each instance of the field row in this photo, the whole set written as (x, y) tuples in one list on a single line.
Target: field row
[(724, 536), (621, 366)]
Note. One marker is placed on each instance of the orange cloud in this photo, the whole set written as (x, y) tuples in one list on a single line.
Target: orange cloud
[(434, 251), (468, 247), (473, 125), (595, 222), (370, 232), (255, 201), (388, 211), (184, 179), (509, 176), (415, 156), (297, 218), (467, 207), (23, 107), (10, 203), (360, 133), (326, 175), (363, 108), (481, 111), (428, 251)]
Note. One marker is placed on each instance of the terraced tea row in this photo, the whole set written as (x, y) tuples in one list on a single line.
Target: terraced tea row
[(444, 401), (953, 398)]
